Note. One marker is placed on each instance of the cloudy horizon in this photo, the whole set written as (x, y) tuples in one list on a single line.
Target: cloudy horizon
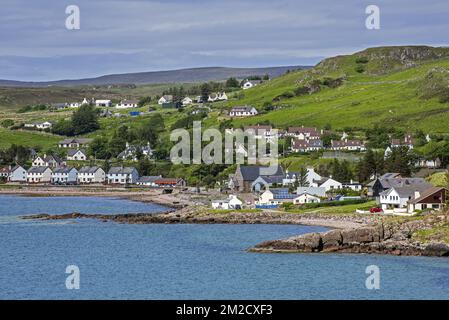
[(119, 36)]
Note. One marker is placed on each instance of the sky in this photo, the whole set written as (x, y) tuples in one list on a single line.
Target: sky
[(121, 36)]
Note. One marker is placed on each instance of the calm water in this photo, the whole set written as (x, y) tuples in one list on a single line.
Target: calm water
[(185, 261)]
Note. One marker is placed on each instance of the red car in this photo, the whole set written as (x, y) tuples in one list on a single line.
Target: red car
[(375, 210)]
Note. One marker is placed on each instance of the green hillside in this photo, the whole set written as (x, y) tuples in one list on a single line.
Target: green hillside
[(406, 87)]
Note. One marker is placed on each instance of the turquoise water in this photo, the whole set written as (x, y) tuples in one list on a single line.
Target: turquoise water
[(185, 261)]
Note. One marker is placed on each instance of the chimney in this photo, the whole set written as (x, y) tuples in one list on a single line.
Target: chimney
[(417, 194)]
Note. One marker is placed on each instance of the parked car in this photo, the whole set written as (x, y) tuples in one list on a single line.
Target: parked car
[(375, 210)]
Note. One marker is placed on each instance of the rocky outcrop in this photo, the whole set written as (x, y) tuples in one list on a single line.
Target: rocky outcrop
[(381, 239)]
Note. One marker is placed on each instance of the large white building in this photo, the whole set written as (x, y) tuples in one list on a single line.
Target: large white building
[(123, 175)]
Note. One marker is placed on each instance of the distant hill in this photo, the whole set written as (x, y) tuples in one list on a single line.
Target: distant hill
[(403, 86), (171, 76)]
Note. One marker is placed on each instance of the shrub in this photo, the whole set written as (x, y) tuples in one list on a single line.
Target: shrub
[(362, 60), (360, 69), (7, 123)]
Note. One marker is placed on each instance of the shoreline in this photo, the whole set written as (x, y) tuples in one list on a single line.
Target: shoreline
[(370, 234)]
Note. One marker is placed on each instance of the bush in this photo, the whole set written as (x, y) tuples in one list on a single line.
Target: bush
[(360, 69), (7, 123), (362, 60)]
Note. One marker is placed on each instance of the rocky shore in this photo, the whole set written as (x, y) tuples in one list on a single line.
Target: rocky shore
[(384, 238), (191, 214)]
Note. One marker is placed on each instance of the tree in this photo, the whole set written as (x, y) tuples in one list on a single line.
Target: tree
[(144, 166), (302, 177), (205, 91), (400, 160), (371, 164), (85, 120), (99, 148), (232, 83), (106, 166)]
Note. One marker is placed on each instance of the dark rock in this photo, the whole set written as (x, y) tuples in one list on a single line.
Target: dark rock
[(331, 240), (436, 249)]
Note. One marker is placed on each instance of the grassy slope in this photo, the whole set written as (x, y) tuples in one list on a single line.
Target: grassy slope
[(384, 99), (27, 138)]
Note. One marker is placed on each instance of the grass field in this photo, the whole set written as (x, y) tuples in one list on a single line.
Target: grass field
[(28, 139), (362, 101)]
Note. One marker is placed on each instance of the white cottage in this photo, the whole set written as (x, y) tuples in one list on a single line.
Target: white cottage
[(231, 203), (18, 174), (123, 175), (306, 198), (87, 175), (76, 155), (64, 175), (39, 175)]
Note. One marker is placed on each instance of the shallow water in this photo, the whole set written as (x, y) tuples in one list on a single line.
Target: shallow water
[(118, 261)]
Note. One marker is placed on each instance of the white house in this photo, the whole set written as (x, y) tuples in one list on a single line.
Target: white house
[(231, 203), (130, 152), (126, 104), (165, 99), (306, 198), (149, 181), (88, 175), (353, 185), (123, 175), (314, 191), (39, 125), (78, 104), (243, 111), (39, 175), (17, 174), (76, 155), (249, 84), (327, 183), (75, 143), (103, 103), (48, 161), (186, 101), (275, 196), (64, 175), (395, 199)]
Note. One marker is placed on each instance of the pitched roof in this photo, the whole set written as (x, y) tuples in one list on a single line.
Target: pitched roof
[(72, 152), (146, 179), (251, 173), (87, 169), (407, 191), (121, 170), (63, 169), (427, 193), (314, 191), (242, 109), (38, 169)]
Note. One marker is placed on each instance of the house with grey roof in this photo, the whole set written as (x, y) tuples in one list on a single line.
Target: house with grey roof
[(122, 175), (243, 111), (52, 161), (314, 191), (76, 155), (149, 181), (74, 143), (39, 175), (64, 175), (389, 180), (17, 174), (88, 175), (397, 198), (244, 176)]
